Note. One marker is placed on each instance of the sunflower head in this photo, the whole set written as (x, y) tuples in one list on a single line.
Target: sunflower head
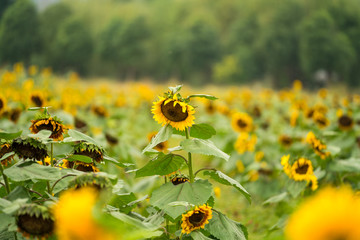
[(320, 119), (35, 221), (174, 110), (37, 99), (196, 218), (100, 111), (2, 104), (90, 180), (112, 140), (29, 148), (46, 122), (91, 150), (241, 122), (179, 179), (4, 149), (345, 122), (79, 123), (14, 114), (80, 166), (245, 143), (317, 145), (161, 147), (285, 140)]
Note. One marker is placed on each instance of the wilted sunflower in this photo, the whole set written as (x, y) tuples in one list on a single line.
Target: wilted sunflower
[(332, 214), (35, 221), (80, 166), (317, 145), (52, 124), (161, 147), (179, 179), (171, 110), (196, 219), (29, 148), (345, 122), (241, 122), (90, 180), (89, 150), (4, 149)]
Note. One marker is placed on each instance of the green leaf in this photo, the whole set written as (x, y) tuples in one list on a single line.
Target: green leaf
[(196, 193), (278, 198), (210, 97), (197, 235), (202, 130), (18, 192), (226, 180), (79, 136), (37, 108), (334, 150), (224, 228), (80, 158), (202, 146), (6, 220), (32, 171), (295, 187), (10, 136), (350, 165), (42, 135), (6, 156), (163, 135), (175, 89), (161, 165), (121, 201)]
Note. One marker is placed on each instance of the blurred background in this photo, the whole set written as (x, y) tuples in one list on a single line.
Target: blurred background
[(272, 42)]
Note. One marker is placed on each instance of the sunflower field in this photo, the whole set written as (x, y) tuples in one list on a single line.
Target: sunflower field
[(138, 160)]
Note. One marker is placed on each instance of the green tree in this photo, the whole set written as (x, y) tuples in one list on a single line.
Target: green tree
[(19, 32)]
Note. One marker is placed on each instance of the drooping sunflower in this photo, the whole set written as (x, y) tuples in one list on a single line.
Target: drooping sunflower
[(52, 124), (345, 122), (173, 111), (196, 219), (332, 214), (29, 148), (317, 145), (35, 221), (91, 150), (179, 179), (4, 149), (90, 180), (80, 166), (241, 122), (161, 147)]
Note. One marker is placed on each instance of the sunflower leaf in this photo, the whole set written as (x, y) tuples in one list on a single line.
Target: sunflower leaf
[(295, 187), (202, 146), (196, 193), (161, 165), (197, 235), (32, 171), (79, 136), (201, 130), (163, 135), (41, 135), (223, 228), (226, 180), (81, 158), (210, 97), (9, 136), (6, 155), (175, 89)]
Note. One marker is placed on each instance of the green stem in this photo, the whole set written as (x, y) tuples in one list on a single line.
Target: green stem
[(167, 221), (51, 154), (47, 182), (7, 185), (191, 174), (15, 235)]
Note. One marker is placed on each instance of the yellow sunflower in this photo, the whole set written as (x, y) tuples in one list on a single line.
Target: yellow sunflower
[(285, 140), (245, 143), (332, 214), (317, 145), (345, 122), (161, 147), (49, 123), (174, 112), (38, 99), (320, 119), (196, 219), (2, 104), (241, 122)]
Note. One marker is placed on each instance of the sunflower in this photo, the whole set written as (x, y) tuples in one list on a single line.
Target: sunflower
[(29, 148), (332, 214), (90, 180), (161, 147), (320, 119), (241, 122), (285, 140), (112, 140), (37, 99), (79, 123), (196, 219), (317, 145), (179, 179), (2, 104), (14, 114), (171, 110), (80, 166), (245, 143), (345, 122), (100, 111), (90, 150), (4, 149), (35, 221), (74, 218), (48, 123)]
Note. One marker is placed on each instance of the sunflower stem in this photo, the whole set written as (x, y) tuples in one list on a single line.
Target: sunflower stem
[(47, 182), (7, 185), (15, 236), (191, 174), (51, 154)]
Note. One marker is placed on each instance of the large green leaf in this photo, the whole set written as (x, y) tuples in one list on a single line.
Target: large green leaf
[(196, 193), (163, 135), (278, 198), (202, 146), (226, 180), (197, 235), (295, 187), (202, 130), (79, 136), (43, 135), (161, 165), (121, 201), (9, 136), (81, 158), (32, 171), (224, 228)]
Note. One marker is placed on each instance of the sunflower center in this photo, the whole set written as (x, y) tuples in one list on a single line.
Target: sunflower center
[(1, 104), (196, 218), (302, 169), (345, 121), (172, 113), (37, 100), (241, 123), (35, 225), (48, 126)]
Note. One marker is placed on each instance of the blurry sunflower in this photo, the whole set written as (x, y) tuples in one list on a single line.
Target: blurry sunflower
[(53, 124), (29, 148), (112, 140), (38, 99), (245, 143), (161, 147), (210, 107), (100, 111), (345, 122), (4, 149), (35, 221), (74, 219), (196, 219), (179, 179), (332, 214), (46, 161), (241, 122), (173, 111), (90, 150), (14, 114), (320, 119), (285, 140), (90, 180), (317, 145), (2, 104), (80, 166), (79, 123)]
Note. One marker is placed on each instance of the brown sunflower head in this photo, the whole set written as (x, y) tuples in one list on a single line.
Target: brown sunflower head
[(52, 124), (35, 221), (79, 123), (37, 100), (345, 122), (196, 219), (91, 150), (14, 114), (80, 166), (29, 148)]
